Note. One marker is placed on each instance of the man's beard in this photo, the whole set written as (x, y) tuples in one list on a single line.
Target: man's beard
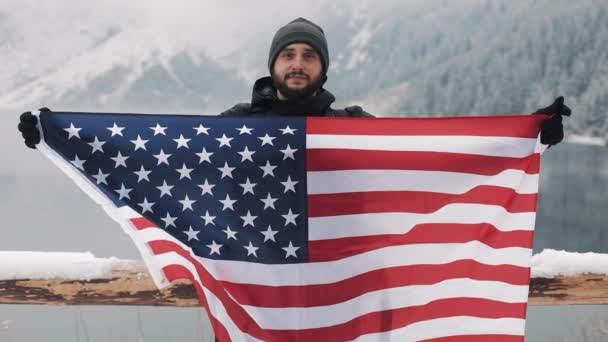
[(299, 93)]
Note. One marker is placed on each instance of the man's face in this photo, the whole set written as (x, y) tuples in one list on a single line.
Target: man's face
[(297, 71)]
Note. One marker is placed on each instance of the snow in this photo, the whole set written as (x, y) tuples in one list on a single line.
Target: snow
[(586, 140), (85, 266)]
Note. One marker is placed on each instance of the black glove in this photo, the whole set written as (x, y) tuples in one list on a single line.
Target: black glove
[(552, 129), (28, 129)]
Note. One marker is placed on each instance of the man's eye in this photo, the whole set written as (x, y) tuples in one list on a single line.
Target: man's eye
[(288, 55)]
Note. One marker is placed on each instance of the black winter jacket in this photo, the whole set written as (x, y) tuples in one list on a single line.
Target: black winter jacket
[(264, 102)]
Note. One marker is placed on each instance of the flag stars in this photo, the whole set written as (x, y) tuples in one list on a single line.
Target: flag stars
[(187, 203), (78, 163), (287, 130), (230, 234), (290, 218), (184, 172), (206, 187), (244, 130), (201, 129), (248, 219), (116, 130), (146, 206), (169, 220), (139, 143), (215, 248), (289, 185), (226, 170), (142, 174), (208, 218), (246, 154), (290, 250), (101, 177), (269, 234), (72, 131), (267, 140), (268, 169), (120, 160), (288, 153), (162, 157), (224, 140), (159, 130), (123, 192), (248, 187), (204, 156), (97, 145), (228, 203), (269, 202), (182, 142), (251, 249), (165, 189), (192, 234)]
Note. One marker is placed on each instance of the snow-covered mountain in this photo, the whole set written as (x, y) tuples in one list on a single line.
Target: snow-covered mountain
[(395, 57)]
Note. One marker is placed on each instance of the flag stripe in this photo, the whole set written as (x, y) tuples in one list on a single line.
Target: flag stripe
[(496, 126), (415, 201), (336, 249), (485, 146), (334, 227), (342, 159), (390, 277), (324, 182)]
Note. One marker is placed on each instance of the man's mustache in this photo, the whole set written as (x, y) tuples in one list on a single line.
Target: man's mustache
[(294, 74)]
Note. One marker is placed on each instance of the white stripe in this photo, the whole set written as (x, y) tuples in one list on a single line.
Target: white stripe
[(330, 182), (333, 227), (487, 146), (333, 271), (215, 305), (451, 326), (386, 299)]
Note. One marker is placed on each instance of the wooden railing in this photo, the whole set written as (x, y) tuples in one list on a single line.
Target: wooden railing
[(133, 286)]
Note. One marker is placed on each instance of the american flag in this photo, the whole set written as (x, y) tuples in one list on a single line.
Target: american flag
[(322, 229)]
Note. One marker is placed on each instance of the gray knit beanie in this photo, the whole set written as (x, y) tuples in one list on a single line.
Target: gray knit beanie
[(299, 31)]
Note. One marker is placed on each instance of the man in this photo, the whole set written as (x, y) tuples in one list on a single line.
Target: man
[(298, 61)]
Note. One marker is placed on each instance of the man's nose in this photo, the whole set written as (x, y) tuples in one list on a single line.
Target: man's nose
[(298, 62)]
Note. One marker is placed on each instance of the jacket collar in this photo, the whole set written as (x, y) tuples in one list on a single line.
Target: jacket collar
[(264, 99)]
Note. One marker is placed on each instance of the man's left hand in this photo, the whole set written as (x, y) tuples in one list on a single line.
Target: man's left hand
[(552, 129)]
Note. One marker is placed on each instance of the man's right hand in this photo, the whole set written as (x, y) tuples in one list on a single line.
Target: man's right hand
[(28, 129)]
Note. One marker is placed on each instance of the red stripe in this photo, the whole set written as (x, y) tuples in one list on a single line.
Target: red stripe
[(478, 338), (321, 205), (336, 249), (392, 277), (351, 159), (521, 126), (369, 323), (141, 223)]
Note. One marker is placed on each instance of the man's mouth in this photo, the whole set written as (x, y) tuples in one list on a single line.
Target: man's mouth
[(297, 76)]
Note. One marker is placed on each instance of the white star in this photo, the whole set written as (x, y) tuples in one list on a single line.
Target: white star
[(248, 219), (289, 185), (192, 234), (229, 233), (101, 177), (123, 192), (215, 248), (269, 202), (186, 203), (184, 172), (288, 153), (120, 160), (146, 206), (228, 203), (224, 140), (97, 145), (142, 174), (207, 188), (226, 170), (288, 130), (246, 154), (290, 250), (165, 189), (248, 186), (169, 220), (182, 142), (78, 163), (268, 169), (208, 218), (267, 140), (139, 143), (204, 156), (290, 217), (159, 130), (116, 130), (269, 234), (251, 250), (162, 157), (244, 130), (72, 131), (201, 129)]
